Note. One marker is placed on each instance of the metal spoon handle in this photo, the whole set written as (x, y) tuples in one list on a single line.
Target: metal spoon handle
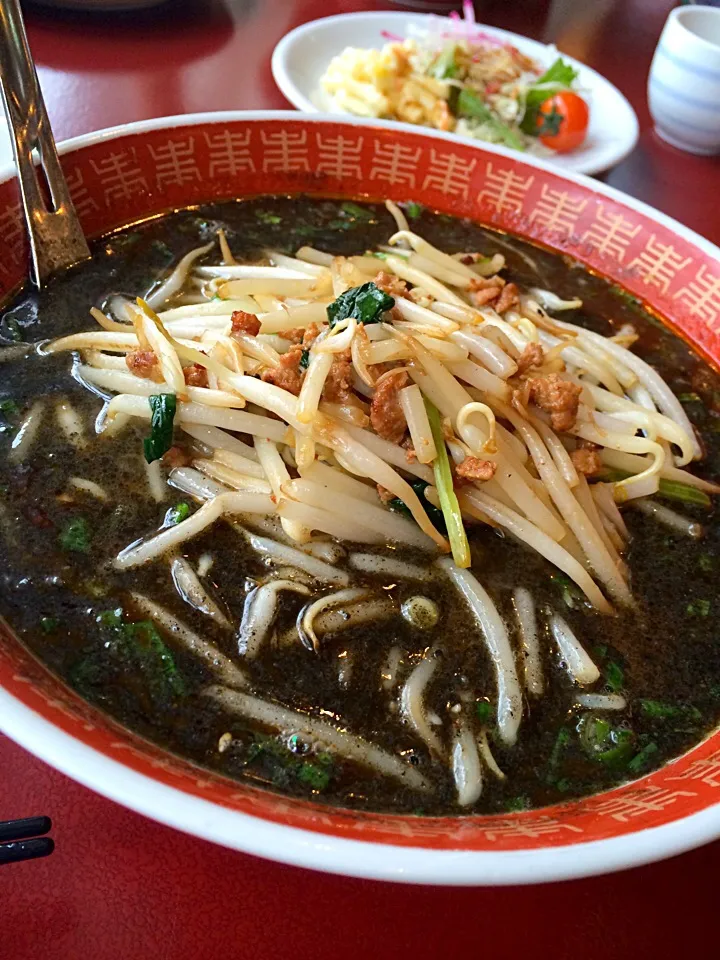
[(56, 237)]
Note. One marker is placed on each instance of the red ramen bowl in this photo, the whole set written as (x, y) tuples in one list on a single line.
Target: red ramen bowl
[(133, 172)]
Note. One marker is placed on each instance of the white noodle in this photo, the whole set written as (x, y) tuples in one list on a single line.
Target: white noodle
[(412, 704), (388, 525), (388, 675), (193, 482), (421, 436), (602, 701), (195, 413), (346, 744), (325, 521), (70, 423), (27, 433), (327, 550), (391, 453), (142, 551), (671, 519), (335, 479), (525, 612), (223, 668), (466, 767), (89, 486), (397, 215), (219, 439), (486, 754), (380, 566), (281, 553), (259, 614), (193, 592), (355, 614), (230, 477), (509, 706), (306, 627), (156, 484), (579, 665), (170, 286)]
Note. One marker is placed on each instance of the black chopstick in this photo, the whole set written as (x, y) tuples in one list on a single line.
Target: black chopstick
[(23, 840), (22, 829)]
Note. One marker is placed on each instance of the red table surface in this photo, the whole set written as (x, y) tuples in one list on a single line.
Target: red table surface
[(119, 885)]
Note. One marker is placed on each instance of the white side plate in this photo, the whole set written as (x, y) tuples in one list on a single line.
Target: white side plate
[(301, 57)]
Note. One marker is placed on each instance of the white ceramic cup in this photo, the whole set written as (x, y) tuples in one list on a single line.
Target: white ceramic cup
[(684, 82)]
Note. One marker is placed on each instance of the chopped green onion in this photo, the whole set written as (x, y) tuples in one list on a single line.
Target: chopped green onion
[(264, 216), (562, 741), (516, 804), (444, 66), (669, 489), (413, 209), (689, 398), (13, 330), (49, 624), (683, 493), (304, 360), (444, 483), (656, 710), (608, 745), (483, 710), (698, 608), (176, 514), (356, 212), (640, 760), (366, 303), (9, 408), (706, 562), (163, 407), (469, 104), (75, 536), (614, 676)]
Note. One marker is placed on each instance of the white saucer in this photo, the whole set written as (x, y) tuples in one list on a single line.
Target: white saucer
[(301, 57)]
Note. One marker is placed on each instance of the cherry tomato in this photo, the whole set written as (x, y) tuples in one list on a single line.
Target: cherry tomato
[(562, 121)]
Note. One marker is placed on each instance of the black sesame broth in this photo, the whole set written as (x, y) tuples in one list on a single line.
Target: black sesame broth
[(62, 595)]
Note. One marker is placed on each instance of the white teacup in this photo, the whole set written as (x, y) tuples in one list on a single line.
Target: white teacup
[(684, 82)]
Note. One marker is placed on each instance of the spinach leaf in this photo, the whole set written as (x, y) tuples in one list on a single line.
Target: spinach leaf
[(141, 646), (434, 513), (284, 766), (366, 303), (163, 407)]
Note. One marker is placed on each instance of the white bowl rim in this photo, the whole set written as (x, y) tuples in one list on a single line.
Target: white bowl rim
[(322, 851), (292, 93), (679, 14)]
